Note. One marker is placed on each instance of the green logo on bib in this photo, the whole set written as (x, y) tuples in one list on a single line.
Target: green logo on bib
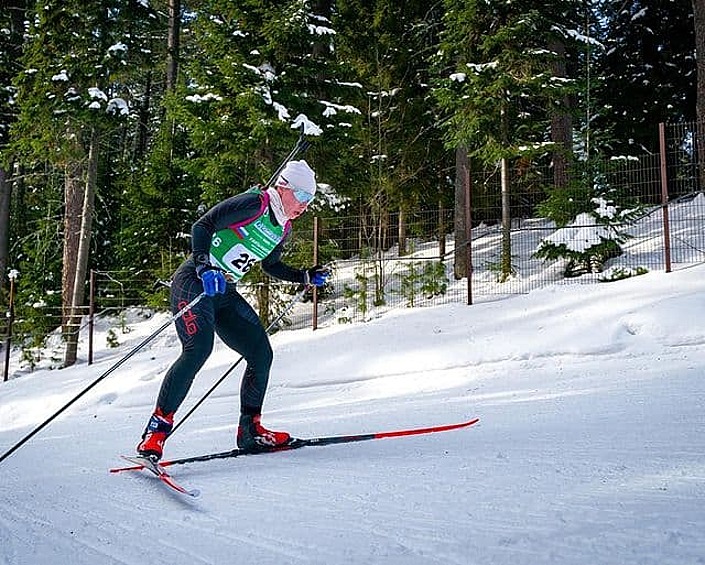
[(236, 250)]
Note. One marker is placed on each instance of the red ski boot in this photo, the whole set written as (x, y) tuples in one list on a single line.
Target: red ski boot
[(252, 436), (154, 436)]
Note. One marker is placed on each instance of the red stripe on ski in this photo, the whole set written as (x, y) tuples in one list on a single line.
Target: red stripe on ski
[(169, 481), (157, 470), (430, 430)]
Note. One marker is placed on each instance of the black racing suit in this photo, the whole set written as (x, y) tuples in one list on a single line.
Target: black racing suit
[(229, 315)]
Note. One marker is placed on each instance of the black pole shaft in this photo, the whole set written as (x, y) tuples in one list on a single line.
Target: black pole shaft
[(283, 313), (100, 378), (301, 147)]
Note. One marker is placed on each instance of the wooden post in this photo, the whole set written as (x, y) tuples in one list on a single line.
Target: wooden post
[(314, 322), (10, 319), (91, 316), (441, 232), (664, 198)]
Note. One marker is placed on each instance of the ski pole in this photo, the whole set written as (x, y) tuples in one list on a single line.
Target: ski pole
[(101, 377), (281, 315), (301, 146)]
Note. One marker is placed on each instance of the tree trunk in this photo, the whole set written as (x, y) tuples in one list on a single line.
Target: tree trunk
[(321, 48), (461, 165), (12, 44), (561, 123), (402, 232), (143, 124), (699, 13), (83, 251), (73, 203), (173, 45), (381, 246), (5, 194), (506, 253), (172, 66), (264, 300)]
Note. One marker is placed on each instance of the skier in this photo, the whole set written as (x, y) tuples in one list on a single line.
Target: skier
[(226, 242)]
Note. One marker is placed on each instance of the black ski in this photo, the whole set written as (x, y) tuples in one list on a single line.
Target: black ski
[(298, 443)]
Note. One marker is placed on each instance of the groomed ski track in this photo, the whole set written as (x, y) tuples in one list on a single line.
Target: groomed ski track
[(590, 447)]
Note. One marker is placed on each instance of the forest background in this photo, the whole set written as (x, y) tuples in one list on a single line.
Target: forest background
[(121, 121)]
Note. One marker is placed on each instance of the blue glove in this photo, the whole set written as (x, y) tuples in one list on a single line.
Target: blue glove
[(213, 280), (317, 275)]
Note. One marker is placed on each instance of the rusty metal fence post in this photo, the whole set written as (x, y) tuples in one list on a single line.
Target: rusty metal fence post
[(664, 197), (316, 227), (468, 229)]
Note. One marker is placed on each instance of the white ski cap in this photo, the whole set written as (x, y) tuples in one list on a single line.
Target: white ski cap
[(299, 176)]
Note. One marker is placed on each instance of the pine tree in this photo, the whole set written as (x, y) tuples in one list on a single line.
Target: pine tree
[(389, 44), (499, 86), (12, 28), (251, 76), (69, 94), (648, 72), (699, 25)]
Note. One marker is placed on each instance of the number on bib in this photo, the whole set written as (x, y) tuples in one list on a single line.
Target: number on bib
[(240, 259)]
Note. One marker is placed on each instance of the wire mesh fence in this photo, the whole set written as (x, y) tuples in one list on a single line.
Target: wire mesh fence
[(652, 205)]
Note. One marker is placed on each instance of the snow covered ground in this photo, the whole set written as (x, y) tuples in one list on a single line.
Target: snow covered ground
[(590, 448)]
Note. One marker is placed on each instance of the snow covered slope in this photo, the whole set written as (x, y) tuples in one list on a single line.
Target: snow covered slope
[(590, 449)]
